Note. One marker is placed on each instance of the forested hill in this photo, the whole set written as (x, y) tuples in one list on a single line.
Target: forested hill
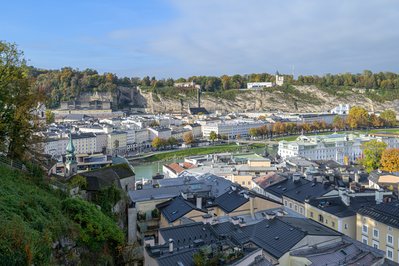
[(68, 83)]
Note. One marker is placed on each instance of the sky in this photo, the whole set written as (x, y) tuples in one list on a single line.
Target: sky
[(181, 38)]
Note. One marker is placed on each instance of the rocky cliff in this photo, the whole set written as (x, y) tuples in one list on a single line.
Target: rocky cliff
[(297, 99)]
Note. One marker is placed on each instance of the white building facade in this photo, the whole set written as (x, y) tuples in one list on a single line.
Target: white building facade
[(341, 148)]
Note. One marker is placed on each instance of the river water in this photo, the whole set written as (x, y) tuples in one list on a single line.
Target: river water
[(148, 170)]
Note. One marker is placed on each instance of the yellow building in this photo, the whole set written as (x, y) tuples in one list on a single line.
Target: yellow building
[(378, 226)]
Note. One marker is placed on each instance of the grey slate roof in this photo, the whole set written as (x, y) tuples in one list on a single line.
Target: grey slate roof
[(283, 187), (308, 191), (386, 213), (179, 258), (274, 236), (184, 235), (176, 208), (105, 177), (231, 200), (345, 252), (335, 206)]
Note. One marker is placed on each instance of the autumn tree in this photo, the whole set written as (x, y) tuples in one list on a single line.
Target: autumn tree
[(213, 136), (372, 151), (376, 121), (172, 141), (279, 128), (50, 117), (338, 122), (253, 132), (358, 117), (18, 100), (389, 117), (390, 160), (188, 138), (157, 142)]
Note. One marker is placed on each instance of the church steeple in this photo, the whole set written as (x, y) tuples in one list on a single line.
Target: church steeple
[(70, 163)]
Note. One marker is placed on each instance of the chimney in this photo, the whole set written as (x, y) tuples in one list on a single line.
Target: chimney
[(379, 196), (235, 220), (199, 203), (170, 245), (251, 207), (295, 177), (344, 196), (357, 177), (270, 215)]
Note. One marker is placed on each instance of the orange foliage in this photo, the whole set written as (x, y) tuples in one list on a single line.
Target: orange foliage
[(390, 160)]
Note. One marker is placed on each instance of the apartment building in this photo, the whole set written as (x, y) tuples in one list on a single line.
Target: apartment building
[(231, 129), (378, 226)]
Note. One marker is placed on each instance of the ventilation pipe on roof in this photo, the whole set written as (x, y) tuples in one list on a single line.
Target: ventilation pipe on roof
[(251, 207), (344, 196), (379, 196), (357, 177), (170, 245), (199, 203)]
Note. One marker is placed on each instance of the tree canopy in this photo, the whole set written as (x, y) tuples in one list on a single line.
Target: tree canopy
[(18, 101), (390, 160), (372, 151)]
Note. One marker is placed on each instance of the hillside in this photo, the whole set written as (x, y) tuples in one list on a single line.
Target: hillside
[(40, 226), (302, 98)]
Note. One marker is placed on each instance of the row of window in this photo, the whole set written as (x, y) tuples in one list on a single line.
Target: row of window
[(376, 234)]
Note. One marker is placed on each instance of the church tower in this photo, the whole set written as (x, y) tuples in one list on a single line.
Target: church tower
[(71, 165), (279, 79)]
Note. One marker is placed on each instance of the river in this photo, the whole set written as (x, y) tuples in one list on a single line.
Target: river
[(148, 170)]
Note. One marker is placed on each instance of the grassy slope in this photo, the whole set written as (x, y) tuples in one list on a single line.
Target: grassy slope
[(32, 217)]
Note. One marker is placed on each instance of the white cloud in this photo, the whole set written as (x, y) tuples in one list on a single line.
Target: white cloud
[(225, 36)]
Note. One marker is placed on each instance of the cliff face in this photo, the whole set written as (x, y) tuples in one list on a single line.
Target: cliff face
[(300, 99)]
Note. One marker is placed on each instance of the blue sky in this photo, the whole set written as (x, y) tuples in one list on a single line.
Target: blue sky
[(206, 37)]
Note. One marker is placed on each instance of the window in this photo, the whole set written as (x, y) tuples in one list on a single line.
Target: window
[(346, 226), (285, 203), (290, 205), (301, 210), (333, 224), (376, 244), (376, 233), (365, 240), (311, 214), (364, 229), (321, 218), (249, 182), (389, 239), (389, 253), (296, 207)]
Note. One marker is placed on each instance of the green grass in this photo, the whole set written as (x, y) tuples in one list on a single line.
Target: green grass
[(196, 151), (33, 217)]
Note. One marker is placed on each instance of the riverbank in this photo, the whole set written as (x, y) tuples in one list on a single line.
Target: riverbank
[(196, 151)]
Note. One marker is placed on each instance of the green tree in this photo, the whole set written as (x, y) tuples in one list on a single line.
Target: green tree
[(372, 151), (389, 117), (17, 102), (358, 117), (50, 117), (213, 136), (172, 141)]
